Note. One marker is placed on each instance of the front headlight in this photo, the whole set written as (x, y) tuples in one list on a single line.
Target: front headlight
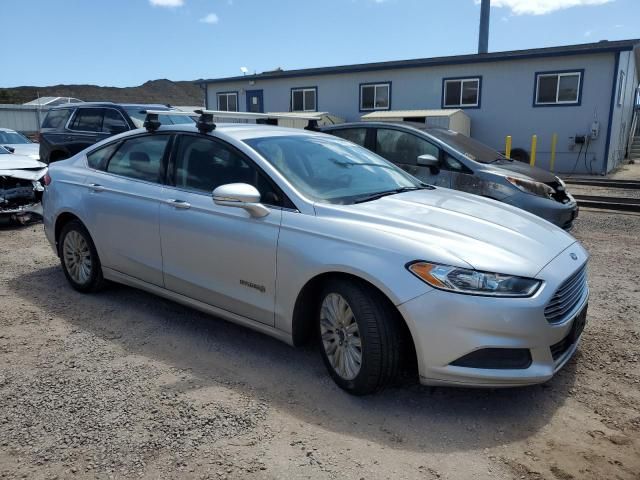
[(529, 186), (462, 280)]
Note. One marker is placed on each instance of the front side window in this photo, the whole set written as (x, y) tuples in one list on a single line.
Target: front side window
[(355, 135), (228, 102), (56, 118), (403, 147), (303, 99), (330, 170), (562, 88), (140, 158), (375, 96), (203, 164), (461, 92), (87, 120)]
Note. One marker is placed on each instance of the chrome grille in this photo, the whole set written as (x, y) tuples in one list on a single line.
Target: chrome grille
[(567, 296)]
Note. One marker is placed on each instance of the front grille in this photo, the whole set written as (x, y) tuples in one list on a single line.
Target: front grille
[(567, 296)]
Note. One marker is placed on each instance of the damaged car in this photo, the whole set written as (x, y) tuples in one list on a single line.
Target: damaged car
[(21, 187)]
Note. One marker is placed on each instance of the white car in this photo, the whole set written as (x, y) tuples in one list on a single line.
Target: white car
[(21, 186), (19, 144), (303, 235)]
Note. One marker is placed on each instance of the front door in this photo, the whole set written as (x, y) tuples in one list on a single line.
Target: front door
[(255, 101), (403, 148), (218, 255), (124, 192)]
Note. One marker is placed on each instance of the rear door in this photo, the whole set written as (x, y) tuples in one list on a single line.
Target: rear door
[(403, 148), (124, 193), (216, 254)]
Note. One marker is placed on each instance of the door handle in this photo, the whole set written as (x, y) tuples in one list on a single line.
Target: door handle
[(96, 187), (181, 204)]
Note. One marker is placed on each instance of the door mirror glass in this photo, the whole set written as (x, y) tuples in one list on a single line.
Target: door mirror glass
[(428, 160), (240, 195)]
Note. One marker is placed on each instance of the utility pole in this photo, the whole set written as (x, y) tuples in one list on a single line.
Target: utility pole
[(483, 39)]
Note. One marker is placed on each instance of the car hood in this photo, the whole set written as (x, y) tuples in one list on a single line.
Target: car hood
[(29, 149), (443, 224), (506, 167), (20, 166)]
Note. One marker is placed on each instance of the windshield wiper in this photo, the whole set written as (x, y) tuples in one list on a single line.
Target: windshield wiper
[(386, 193)]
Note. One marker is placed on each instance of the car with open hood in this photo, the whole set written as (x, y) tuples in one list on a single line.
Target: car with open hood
[(453, 160), (308, 237)]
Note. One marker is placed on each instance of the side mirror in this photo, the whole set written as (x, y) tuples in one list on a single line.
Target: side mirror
[(240, 195), (428, 160)]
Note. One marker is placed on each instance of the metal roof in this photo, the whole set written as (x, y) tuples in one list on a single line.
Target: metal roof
[(582, 49), (382, 114), (53, 101)]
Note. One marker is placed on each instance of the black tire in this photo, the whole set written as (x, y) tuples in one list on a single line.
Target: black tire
[(379, 333), (520, 155), (95, 280)]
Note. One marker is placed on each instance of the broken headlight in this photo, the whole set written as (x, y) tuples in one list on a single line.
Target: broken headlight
[(529, 186)]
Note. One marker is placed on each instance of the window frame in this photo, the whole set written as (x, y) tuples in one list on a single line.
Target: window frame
[(558, 74), (462, 80), (304, 90), (374, 85), (172, 165), (232, 92)]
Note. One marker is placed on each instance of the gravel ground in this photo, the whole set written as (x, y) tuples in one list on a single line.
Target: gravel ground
[(122, 384)]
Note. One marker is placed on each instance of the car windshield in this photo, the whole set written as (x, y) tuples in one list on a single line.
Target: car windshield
[(138, 115), (13, 138), (469, 147), (331, 170)]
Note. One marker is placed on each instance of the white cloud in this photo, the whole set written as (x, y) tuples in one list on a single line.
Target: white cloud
[(212, 18), (542, 7), (167, 3)]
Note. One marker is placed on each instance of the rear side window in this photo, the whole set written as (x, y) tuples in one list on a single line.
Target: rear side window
[(140, 158), (56, 118), (87, 120), (99, 158), (355, 135)]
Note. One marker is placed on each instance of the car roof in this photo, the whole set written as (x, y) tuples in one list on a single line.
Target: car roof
[(7, 130), (111, 104)]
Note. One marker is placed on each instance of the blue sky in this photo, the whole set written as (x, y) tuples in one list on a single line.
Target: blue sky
[(127, 42)]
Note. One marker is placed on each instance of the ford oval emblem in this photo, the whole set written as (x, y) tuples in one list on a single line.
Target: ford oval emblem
[(574, 256)]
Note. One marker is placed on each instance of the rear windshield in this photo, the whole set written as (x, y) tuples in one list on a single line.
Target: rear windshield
[(56, 118), (138, 115), (469, 147)]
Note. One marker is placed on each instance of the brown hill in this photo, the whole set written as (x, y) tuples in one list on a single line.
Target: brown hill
[(154, 91)]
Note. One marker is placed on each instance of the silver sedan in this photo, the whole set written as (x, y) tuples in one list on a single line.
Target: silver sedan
[(305, 236)]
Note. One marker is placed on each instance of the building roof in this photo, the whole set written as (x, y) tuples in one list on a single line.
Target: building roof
[(53, 101), (382, 114), (582, 49)]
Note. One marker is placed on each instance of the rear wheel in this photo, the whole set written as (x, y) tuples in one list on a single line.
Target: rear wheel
[(79, 258), (359, 337)]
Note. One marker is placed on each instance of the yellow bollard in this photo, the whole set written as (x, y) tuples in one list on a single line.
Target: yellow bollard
[(534, 146), (507, 148), (554, 144)]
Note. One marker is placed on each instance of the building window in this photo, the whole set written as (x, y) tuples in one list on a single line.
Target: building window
[(375, 96), (461, 92), (228, 102), (558, 88), (304, 99)]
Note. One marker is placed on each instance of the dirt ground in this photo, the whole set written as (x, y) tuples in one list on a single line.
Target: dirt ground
[(122, 384)]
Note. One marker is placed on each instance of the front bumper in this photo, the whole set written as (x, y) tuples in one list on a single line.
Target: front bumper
[(447, 326), (560, 214)]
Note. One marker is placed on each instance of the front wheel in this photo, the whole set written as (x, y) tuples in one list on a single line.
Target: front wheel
[(359, 337), (79, 258)]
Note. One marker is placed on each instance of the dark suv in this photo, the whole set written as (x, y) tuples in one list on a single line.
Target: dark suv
[(70, 128)]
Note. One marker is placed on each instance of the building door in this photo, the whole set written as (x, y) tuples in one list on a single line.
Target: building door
[(254, 101)]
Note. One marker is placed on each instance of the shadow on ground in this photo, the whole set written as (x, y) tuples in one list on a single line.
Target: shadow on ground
[(294, 380)]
